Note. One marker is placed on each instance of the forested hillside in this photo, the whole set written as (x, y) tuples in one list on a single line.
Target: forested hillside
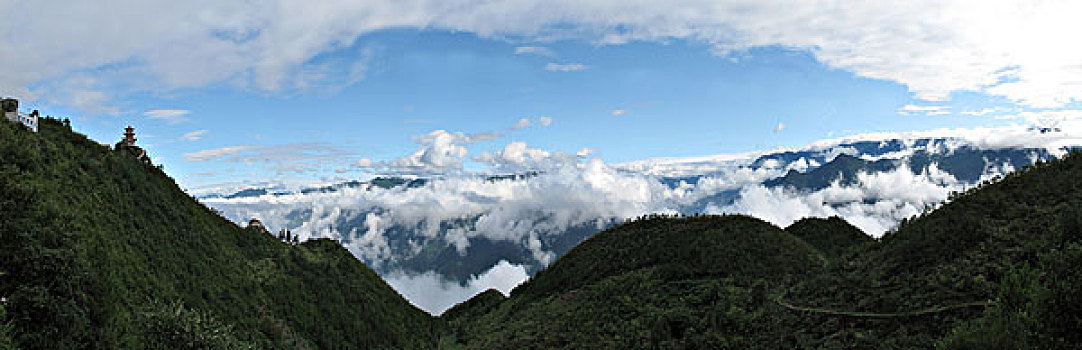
[(995, 268), (100, 250)]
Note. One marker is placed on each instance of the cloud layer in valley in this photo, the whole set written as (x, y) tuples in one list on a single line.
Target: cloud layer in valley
[(875, 203), (434, 294), (561, 193)]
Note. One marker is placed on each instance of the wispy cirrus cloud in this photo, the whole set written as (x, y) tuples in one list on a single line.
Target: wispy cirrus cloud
[(911, 109), (293, 157), (565, 67), (213, 154), (986, 111), (521, 124), (194, 135), (534, 50), (171, 116)]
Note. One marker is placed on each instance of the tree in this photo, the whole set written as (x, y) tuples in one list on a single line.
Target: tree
[(175, 326), (1011, 323), (1070, 221)]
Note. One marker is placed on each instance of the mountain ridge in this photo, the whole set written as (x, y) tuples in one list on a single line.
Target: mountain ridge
[(104, 251), (101, 250), (991, 268), (941, 162)]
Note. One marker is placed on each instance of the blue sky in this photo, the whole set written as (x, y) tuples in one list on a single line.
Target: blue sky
[(330, 95)]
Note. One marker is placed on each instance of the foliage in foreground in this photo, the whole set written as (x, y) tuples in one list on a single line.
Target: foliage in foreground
[(91, 239)]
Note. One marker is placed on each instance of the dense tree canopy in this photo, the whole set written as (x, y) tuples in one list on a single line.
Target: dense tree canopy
[(994, 268), (101, 250)]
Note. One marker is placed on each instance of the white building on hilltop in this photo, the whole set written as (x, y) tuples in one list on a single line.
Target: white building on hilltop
[(10, 108)]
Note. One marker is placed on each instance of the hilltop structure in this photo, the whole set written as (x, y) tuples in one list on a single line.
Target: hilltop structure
[(129, 136), (127, 144), (256, 224), (10, 108)]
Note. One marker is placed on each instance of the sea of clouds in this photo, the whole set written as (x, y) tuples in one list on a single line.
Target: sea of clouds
[(383, 226)]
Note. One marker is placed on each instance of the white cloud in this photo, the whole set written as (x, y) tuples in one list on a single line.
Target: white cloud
[(482, 137), (171, 116), (542, 121), (194, 135), (572, 194), (521, 124), (93, 101), (987, 111), (1015, 49), (281, 159), (434, 294), (213, 154), (926, 110), (565, 67), (571, 191), (439, 152), (618, 112), (1069, 122), (517, 156), (875, 204), (525, 211), (1067, 117), (534, 50), (686, 166)]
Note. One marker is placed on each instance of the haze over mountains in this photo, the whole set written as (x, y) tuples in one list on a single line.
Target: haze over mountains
[(440, 240)]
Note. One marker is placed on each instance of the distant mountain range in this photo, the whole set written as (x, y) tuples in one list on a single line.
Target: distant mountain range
[(388, 210), (379, 182)]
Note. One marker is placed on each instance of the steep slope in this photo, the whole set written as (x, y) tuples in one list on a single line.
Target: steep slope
[(103, 251), (995, 267), (657, 281), (1005, 244)]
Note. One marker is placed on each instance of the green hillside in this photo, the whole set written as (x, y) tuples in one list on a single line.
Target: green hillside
[(995, 268), (832, 236), (103, 251), (653, 282)]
